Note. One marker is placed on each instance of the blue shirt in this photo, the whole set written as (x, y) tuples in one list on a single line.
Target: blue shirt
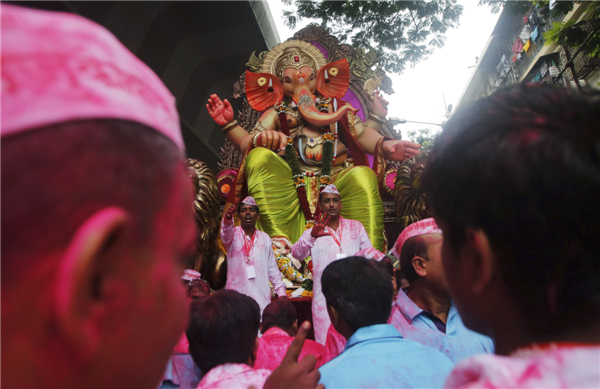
[(378, 357), (456, 342)]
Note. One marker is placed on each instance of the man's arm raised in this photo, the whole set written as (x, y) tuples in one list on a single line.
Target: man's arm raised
[(301, 249), (227, 226), (292, 374)]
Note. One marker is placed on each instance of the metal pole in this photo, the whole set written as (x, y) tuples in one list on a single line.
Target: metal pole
[(435, 124)]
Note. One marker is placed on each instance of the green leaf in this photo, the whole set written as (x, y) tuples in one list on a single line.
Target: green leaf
[(401, 33)]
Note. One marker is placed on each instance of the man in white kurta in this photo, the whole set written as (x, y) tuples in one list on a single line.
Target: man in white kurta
[(251, 262), (326, 246)]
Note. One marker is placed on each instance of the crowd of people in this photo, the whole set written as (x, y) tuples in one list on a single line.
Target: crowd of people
[(504, 280)]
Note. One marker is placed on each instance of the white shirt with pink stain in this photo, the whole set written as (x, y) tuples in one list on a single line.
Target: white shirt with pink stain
[(324, 250), (234, 375), (261, 256), (555, 367)]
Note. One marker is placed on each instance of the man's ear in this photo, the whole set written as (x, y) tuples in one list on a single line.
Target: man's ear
[(260, 328), (258, 217), (294, 328), (419, 265), (479, 261), (80, 285)]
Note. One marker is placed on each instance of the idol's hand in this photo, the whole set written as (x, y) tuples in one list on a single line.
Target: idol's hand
[(293, 374), (272, 140), (230, 212), (378, 105), (319, 229), (220, 111), (399, 150)]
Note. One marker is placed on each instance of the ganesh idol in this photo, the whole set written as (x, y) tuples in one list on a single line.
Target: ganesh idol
[(306, 138)]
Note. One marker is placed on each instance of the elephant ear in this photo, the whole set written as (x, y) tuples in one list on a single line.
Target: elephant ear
[(263, 90), (333, 79)]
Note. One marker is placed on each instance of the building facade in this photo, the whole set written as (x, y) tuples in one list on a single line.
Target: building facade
[(517, 52)]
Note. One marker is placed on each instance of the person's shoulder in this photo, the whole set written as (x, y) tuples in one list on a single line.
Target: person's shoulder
[(257, 377), (262, 234), (473, 337), (351, 221), (354, 223), (474, 371), (261, 373), (313, 343), (312, 346), (411, 350)]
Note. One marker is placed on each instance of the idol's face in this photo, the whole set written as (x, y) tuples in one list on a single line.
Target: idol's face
[(291, 80)]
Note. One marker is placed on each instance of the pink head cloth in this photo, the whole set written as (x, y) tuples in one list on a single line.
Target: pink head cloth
[(59, 67), (331, 189), (422, 227), (190, 275), (250, 201)]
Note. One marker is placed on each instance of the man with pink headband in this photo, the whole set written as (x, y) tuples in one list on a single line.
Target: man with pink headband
[(425, 313), (332, 238), (251, 262), (97, 214)]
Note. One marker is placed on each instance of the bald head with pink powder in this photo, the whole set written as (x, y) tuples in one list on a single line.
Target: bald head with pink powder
[(96, 208)]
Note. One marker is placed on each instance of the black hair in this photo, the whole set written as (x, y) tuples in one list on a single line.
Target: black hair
[(54, 177), (413, 247), (199, 284), (360, 290), (523, 165), (280, 313), (240, 207), (387, 265), (223, 329)]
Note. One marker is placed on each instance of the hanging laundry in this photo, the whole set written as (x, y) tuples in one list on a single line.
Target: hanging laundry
[(501, 64), (527, 45), (544, 69), (535, 34), (525, 33), (518, 46)]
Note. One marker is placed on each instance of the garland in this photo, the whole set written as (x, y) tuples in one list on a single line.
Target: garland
[(292, 159)]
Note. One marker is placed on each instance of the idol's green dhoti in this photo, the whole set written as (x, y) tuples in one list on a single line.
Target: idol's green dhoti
[(270, 182)]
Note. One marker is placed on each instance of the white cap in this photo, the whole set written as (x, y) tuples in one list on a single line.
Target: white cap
[(331, 189)]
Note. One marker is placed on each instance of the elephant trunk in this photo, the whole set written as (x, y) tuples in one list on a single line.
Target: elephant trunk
[(309, 112)]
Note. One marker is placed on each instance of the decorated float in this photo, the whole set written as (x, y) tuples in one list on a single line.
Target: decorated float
[(311, 115)]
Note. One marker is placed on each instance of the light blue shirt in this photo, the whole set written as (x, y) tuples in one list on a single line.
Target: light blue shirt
[(457, 343), (378, 357)]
